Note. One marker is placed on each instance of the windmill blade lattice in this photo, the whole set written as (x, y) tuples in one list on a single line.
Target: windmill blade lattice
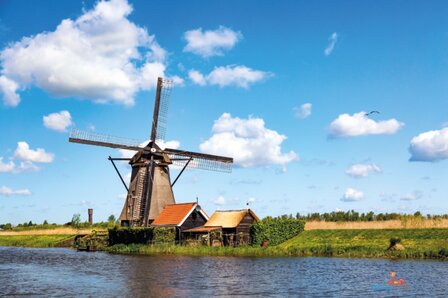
[(200, 161), (104, 140), (167, 86)]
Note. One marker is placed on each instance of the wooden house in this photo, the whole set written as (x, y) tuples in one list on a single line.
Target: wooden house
[(182, 216), (228, 227)]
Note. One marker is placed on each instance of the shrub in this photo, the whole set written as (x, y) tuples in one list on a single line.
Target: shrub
[(130, 235), (394, 241), (164, 235), (276, 230)]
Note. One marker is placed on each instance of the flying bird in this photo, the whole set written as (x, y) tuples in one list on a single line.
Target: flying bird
[(370, 113)]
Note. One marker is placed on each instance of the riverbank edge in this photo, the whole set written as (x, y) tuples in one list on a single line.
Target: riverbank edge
[(249, 251), (419, 244)]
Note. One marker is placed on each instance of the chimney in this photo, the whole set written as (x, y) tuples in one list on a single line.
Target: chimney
[(90, 216)]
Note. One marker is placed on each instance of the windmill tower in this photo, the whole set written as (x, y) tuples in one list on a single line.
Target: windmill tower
[(150, 188)]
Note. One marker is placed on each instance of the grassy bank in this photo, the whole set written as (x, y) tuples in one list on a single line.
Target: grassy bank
[(418, 243), (52, 231), (370, 243), (406, 222), (37, 240), (244, 251)]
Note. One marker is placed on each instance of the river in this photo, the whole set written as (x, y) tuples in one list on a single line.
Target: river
[(67, 273)]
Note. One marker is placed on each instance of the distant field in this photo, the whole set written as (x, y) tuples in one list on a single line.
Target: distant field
[(412, 223)]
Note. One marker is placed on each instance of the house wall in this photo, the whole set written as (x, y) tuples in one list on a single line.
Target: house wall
[(245, 224), (195, 219), (244, 229)]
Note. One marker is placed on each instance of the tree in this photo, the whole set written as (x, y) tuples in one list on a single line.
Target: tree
[(111, 218), (76, 220), (45, 222)]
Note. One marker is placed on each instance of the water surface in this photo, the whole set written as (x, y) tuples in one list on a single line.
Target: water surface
[(65, 272)]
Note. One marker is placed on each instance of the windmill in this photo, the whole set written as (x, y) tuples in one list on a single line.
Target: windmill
[(150, 188)]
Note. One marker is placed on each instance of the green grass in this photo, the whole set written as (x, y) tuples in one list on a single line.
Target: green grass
[(418, 243), (195, 251), (37, 240)]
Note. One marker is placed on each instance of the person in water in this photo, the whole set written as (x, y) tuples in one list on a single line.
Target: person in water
[(393, 281)]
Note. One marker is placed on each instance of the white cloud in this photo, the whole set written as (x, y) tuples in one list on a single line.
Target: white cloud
[(430, 146), (9, 89), (359, 124), (220, 201), (6, 167), (24, 153), (197, 77), (211, 42), (24, 166), (177, 81), (304, 111), (230, 75), (332, 42), (251, 200), (248, 141), (352, 195), (58, 121), (91, 127), (101, 56), (6, 191), (362, 170), (415, 195)]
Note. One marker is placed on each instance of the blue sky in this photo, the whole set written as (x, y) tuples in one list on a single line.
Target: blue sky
[(281, 86)]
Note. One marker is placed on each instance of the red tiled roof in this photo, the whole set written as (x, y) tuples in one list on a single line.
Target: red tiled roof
[(173, 215)]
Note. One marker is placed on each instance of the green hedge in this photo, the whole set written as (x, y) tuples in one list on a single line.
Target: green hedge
[(130, 235), (276, 230), (165, 235)]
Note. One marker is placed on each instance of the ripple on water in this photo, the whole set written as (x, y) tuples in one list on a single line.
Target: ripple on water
[(65, 272)]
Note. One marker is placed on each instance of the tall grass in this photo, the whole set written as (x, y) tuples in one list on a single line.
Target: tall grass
[(158, 249), (37, 240)]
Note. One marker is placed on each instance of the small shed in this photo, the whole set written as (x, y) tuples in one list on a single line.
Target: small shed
[(182, 216), (233, 227)]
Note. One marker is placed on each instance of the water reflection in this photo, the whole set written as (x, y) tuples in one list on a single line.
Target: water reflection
[(64, 272)]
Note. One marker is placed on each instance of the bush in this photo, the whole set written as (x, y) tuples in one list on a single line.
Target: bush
[(130, 235), (276, 230), (394, 241), (164, 235)]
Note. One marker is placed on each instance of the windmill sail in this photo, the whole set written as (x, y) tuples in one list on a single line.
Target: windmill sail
[(200, 160), (104, 140), (160, 117), (150, 188)]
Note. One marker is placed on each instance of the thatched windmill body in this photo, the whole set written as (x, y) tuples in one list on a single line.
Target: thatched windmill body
[(150, 187)]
